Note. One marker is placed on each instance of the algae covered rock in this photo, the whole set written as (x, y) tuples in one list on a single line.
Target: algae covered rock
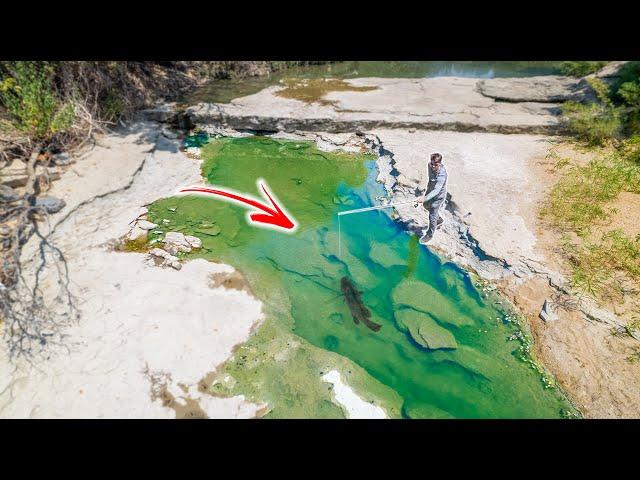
[(423, 297), (425, 331), (426, 411), (384, 255), (213, 230)]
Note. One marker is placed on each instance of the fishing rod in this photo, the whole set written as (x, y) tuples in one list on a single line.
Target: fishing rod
[(379, 207)]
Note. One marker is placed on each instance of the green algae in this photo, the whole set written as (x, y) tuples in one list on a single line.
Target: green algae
[(425, 330), (308, 328), (281, 369), (422, 297), (385, 256), (314, 90)]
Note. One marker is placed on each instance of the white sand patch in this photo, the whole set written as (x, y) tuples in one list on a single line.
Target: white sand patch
[(344, 396)]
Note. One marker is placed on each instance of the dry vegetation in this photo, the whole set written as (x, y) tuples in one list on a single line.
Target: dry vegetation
[(594, 204)]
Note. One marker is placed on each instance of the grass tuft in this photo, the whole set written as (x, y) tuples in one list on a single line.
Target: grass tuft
[(581, 200)]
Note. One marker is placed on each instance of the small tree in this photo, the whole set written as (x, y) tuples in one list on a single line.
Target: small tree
[(30, 100)]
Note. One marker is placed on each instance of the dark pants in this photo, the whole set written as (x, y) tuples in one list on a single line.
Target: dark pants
[(433, 207)]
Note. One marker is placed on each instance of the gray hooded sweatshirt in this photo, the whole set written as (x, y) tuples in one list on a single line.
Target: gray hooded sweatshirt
[(437, 187)]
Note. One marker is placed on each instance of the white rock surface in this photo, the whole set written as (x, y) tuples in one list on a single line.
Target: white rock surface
[(133, 317), (354, 406), (489, 175), (194, 242), (176, 242), (146, 224), (439, 103), (165, 259), (547, 313), (136, 233)]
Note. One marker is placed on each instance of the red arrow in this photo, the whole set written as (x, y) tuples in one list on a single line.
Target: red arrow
[(273, 216)]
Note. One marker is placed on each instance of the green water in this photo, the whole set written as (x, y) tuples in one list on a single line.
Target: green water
[(225, 90), (412, 293)]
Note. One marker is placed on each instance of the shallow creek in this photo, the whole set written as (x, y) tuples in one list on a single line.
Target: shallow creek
[(225, 90), (445, 348)]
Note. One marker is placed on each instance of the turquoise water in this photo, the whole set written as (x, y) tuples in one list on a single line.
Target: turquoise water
[(444, 348)]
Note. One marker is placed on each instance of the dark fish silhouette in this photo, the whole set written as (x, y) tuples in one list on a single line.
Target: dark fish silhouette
[(359, 312)]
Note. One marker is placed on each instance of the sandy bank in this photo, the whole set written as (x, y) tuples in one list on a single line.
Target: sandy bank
[(496, 184), (147, 336)]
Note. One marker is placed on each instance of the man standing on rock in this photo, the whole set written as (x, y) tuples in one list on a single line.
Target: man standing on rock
[(434, 196)]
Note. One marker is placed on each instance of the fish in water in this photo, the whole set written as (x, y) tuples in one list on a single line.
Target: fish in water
[(359, 312)]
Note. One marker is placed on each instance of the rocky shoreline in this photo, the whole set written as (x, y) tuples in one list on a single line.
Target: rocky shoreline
[(503, 253), (442, 103), (143, 343), (488, 229)]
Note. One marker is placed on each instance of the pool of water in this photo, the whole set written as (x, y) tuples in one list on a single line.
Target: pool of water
[(444, 347), (225, 90)]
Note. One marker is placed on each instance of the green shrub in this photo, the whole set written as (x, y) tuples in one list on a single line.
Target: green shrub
[(111, 105), (630, 149), (630, 94), (31, 103), (629, 72), (594, 123), (601, 89), (580, 69)]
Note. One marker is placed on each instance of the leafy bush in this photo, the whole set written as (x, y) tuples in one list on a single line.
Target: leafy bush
[(630, 149), (31, 103), (580, 69), (594, 123), (630, 93), (111, 105)]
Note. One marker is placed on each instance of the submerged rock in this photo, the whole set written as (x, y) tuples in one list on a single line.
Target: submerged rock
[(213, 230), (423, 297), (425, 331), (427, 411), (384, 255)]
